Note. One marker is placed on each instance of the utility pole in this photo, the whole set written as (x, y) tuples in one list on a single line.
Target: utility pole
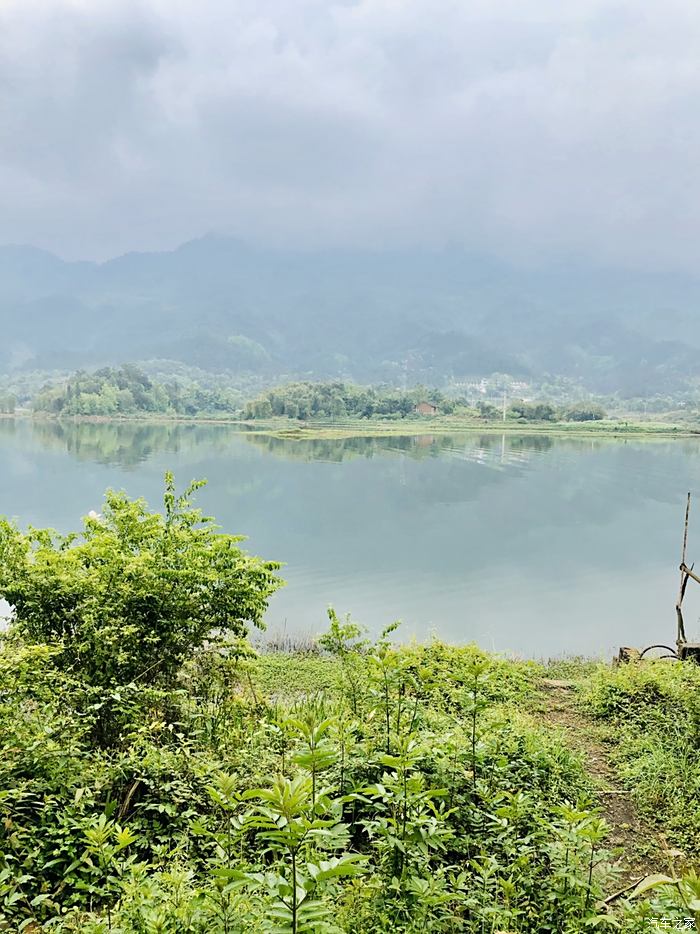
[(504, 405)]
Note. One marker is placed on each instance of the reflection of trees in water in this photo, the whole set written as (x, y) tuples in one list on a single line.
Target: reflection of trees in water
[(336, 450), (416, 446), (127, 444), (459, 459), (464, 464), (536, 443), (8, 428)]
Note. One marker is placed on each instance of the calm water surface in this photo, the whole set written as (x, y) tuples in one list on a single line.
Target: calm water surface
[(525, 544)]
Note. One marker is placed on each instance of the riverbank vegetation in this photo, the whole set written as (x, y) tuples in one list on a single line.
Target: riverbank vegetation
[(158, 775), (308, 401), (652, 712), (127, 391), (163, 388), (330, 409)]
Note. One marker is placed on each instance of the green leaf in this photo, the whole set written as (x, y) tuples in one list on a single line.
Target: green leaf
[(653, 881)]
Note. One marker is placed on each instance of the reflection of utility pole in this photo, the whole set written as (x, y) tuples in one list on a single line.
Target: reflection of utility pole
[(504, 405), (402, 469)]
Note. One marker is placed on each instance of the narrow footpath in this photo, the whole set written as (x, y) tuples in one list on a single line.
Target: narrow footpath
[(639, 849)]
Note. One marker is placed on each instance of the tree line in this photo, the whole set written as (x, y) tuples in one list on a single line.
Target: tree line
[(543, 412), (127, 390), (305, 400), (338, 400)]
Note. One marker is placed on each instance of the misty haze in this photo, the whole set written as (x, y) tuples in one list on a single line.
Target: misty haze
[(349, 459)]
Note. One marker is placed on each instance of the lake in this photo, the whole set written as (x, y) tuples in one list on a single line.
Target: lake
[(529, 544)]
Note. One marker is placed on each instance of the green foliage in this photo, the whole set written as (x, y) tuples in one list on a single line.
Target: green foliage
[(532, 411), (298, 828), (487, 410), (184, 826), (653, 709), (583, 412), (683, 892), (8, 402), (290, 675), (344, 641), (375, 788), (127, 390), (135, 593), (540, 411), (340, 400)]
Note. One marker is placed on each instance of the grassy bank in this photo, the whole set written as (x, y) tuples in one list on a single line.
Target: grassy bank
[(651, 712), (285, 428), (282, 428), (372, 789), (159, 776)]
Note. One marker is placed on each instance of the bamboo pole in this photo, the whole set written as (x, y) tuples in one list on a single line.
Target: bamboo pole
[(684, 578)]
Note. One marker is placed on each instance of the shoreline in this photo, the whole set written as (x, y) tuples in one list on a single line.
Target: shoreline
[(295, 431)]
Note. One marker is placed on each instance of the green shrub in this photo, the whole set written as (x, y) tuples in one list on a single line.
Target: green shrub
[(375, 788), (133, 596)]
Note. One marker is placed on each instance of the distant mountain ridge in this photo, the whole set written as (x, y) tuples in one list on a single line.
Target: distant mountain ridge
[(222, 305)]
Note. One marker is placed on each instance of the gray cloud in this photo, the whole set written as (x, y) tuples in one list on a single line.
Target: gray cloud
[(529, 128)]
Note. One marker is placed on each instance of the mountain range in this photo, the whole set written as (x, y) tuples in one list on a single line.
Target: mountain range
[(401, 317)]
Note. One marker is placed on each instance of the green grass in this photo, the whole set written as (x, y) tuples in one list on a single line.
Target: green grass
[(570, 667), (284, 429), (428, 768), (287, 675), (652, 710)]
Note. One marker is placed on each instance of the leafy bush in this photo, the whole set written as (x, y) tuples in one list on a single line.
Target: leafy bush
[(376, 788), (136, 593), (584, 412)]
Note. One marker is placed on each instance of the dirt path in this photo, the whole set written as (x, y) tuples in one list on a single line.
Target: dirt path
[(638, 849)]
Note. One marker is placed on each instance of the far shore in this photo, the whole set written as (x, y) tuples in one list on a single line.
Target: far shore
[(284, 428)]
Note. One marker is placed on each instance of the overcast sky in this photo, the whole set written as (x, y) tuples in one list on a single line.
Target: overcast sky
[(532, 129)]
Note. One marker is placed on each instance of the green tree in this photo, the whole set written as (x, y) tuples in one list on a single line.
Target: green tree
[(584, 412), (263, 409), (533, 411), (487, 410), (131, 596), (127, 390), (308, 400), (125, 401), (7, 403)]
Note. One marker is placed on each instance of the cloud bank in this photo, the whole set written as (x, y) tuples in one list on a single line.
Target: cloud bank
[(531, 129)]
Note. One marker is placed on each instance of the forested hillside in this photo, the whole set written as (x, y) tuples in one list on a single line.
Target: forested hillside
[(402, 318)]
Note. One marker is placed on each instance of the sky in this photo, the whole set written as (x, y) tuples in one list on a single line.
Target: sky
[(532, 130)]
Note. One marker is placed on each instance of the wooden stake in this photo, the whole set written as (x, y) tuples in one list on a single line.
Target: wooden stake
[(684, 576)]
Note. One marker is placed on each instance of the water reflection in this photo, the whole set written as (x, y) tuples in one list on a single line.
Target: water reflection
[(531, 543), (126, 444), (337, 450)]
